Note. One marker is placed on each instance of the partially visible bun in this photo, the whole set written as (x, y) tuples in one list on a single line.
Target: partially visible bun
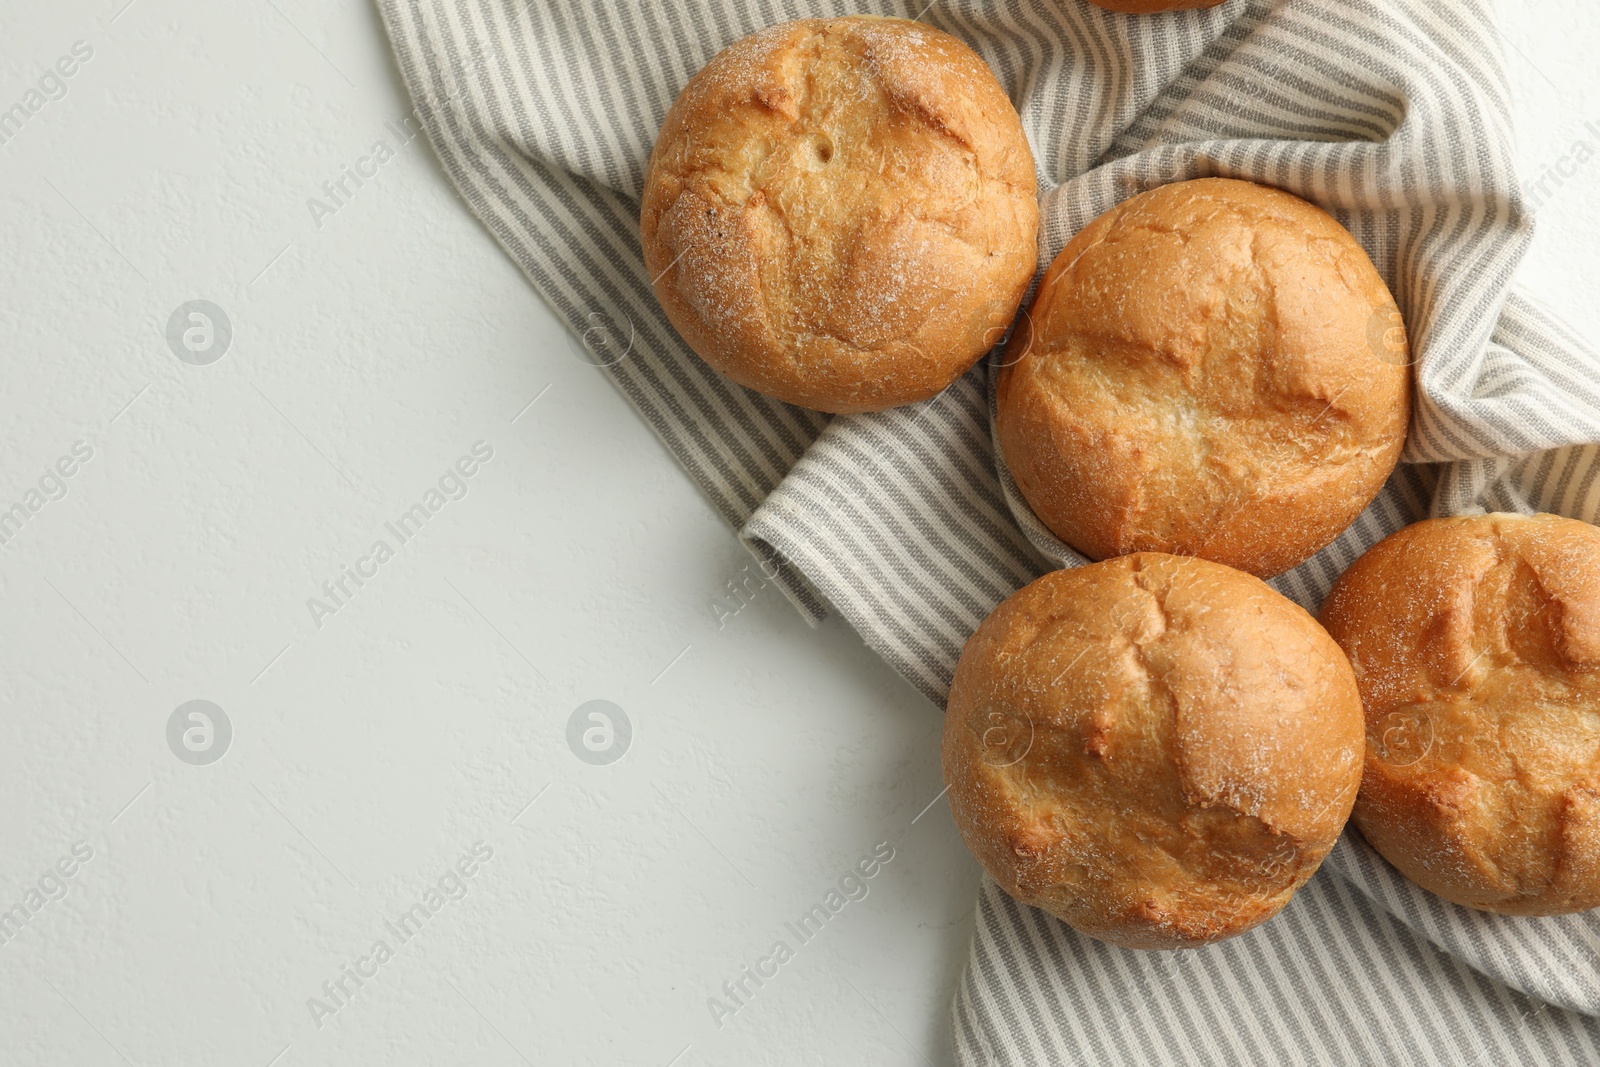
[(1158, 750), (1476, 643), (1147, 7), (842, 213), (1212, 368)]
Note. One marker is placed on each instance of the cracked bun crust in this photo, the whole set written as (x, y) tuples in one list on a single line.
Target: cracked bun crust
[(1157, 749), (842, 213), (1146, 7), (1212, 368), (1476, 643)]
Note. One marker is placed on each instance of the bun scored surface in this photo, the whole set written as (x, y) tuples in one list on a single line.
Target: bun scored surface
[(842, 213), (1212, 368), (1476, 644), (1157, 749)]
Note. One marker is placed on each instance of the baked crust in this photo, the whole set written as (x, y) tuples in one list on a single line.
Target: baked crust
[(1476, 644), (1157, 749), (842, 213), (1212, 368)]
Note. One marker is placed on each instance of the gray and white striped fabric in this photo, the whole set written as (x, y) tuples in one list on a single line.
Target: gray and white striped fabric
[(1393, 115)]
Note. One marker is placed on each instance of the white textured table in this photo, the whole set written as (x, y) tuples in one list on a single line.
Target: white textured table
[(385, 757)]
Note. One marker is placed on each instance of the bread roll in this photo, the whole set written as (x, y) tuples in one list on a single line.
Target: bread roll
[(1157, 749), (841, 213), (1211, 368), (1476, 643), (1147, 7)]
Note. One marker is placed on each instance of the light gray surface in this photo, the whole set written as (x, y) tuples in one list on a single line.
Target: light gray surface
[(368, 354)]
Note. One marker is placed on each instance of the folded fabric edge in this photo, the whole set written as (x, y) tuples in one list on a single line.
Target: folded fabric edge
[(824, 575), (777, 568)]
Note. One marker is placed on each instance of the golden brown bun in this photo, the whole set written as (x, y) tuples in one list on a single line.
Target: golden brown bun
[(1476, 643), (842, 213), (1157, 749), (1211, 368), (1146, 7)]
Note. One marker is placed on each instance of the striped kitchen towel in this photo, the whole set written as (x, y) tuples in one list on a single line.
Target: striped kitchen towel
[(1391, 114)]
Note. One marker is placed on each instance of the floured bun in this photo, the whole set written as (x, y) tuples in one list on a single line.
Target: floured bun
[(842, 213), (1476, 643), (1212, 368), (1147, 7), (1157, 749)]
